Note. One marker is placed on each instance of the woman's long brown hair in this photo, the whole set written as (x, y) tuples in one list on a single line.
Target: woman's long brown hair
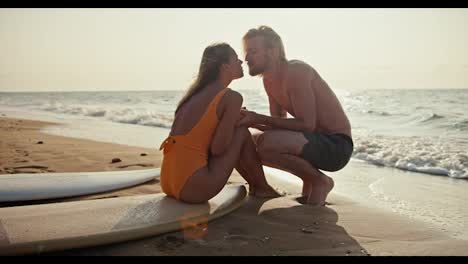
[(213, 57)]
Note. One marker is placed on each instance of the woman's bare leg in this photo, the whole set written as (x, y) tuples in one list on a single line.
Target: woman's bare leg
[(252, 171), (244, 174), (208, 181)]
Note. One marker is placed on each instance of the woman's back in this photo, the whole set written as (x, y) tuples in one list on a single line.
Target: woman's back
[(196, 110), (188, 145)]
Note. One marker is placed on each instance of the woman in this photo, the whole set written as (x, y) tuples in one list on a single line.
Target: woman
[(204, 145)]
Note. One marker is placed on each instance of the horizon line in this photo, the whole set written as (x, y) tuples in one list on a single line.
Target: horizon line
[(242, 89)]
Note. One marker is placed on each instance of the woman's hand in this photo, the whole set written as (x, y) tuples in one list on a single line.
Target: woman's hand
[(248, 118)]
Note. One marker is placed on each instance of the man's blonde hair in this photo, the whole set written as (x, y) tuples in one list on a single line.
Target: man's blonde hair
[(271, 39)]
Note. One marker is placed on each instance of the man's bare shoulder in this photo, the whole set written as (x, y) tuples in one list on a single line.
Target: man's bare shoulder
[(300, 69), (298, 63)]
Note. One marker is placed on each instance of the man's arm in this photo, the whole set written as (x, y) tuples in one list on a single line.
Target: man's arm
[(303, 103), (275, 108), (275, 111), (294, 124)]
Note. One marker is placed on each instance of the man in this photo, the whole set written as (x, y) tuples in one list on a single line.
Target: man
[(317, 137)]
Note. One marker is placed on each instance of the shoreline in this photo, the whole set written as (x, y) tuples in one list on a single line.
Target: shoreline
[(345, 227)]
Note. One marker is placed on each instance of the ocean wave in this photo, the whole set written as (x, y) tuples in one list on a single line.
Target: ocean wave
[(129, 116), (429, 117), (382, 113), (96, 113), (138, 117), (461, 125), (420, 107), (419, 155), (73, 109), (124, 115)]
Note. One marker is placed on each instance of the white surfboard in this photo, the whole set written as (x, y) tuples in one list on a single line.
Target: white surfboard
[(37, 186), (34, 229)]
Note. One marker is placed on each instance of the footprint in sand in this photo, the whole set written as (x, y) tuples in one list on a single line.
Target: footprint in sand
[(236, 230), (23, 152), (137, 164), (31, 167), (246, 238), (27, 169), (170, 243)]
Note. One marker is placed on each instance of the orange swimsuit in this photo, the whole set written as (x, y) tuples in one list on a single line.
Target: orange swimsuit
[(184, 154)]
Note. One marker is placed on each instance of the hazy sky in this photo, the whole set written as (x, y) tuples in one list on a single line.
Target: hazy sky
[(160, 49)]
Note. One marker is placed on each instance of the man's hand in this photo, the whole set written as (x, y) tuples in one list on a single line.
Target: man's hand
[(248, 118), (242, 114), (262, 127)]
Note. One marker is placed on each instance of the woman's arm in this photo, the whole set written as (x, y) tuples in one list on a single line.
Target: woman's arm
[(227, 122)]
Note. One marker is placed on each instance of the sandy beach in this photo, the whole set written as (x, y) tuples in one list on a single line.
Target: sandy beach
[(279, 226)]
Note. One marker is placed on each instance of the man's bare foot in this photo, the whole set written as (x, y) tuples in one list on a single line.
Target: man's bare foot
[(319, 191), (267, 192)]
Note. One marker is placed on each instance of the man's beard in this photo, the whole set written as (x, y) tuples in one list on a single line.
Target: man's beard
[(256, 71), (260, 69)]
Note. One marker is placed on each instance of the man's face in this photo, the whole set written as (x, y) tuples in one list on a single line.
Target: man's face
[(256, 55)]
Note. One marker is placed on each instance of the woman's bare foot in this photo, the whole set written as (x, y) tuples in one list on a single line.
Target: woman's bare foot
[(317, 191)]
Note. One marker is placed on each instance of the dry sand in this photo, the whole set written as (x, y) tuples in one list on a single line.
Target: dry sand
[(278, 226)]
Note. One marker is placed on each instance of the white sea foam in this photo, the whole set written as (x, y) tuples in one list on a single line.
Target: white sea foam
[(112, 113), (425, 155)]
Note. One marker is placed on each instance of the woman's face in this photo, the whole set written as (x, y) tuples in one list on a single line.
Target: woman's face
[(235, 67)]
